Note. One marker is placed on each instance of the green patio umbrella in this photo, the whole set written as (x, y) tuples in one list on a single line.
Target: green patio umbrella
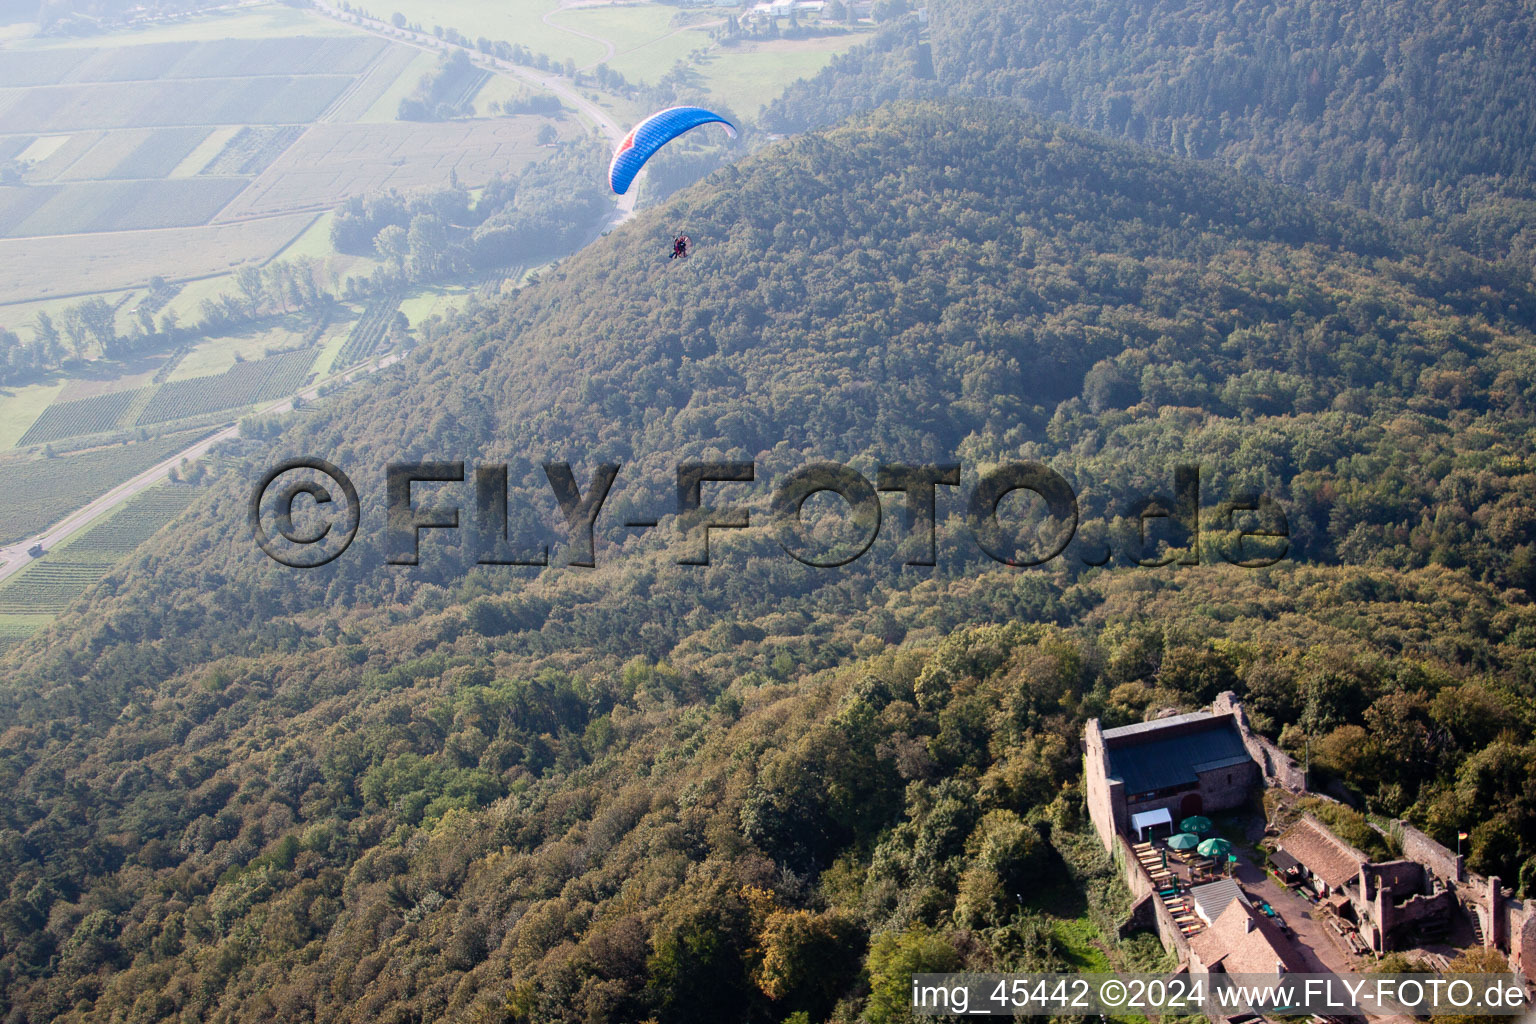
[(1214, 847), (1183, 841), (1198, 823)]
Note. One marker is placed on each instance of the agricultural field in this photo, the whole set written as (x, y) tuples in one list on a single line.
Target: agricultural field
[(647, 39), (47, 586), (83, 416), (276, 99), (333, 162), (242, 385), (516, 21), (40, 268), (20, 408), (16, 628), (252, 150), (369, 332), (117, 206), (135, 153), (42, 491), (137, 520), (24, 68), (268, 21), (187, 156), (746, 76), (390, 77)]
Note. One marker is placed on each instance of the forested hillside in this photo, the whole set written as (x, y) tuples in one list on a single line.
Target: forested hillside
[(1420, 111), (241, 792)]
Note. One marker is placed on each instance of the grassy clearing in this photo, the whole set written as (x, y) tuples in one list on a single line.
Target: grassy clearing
[(429, 301), (1081, 944), (330, 347), (314, 242), (498, 90), (105, 377), (647, 39), (516, 21), (20, 408), (186, 302), (216, 355), (746, 77)]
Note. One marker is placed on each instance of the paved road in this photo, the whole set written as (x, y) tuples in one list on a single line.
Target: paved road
[(14, 557), (557, 84)]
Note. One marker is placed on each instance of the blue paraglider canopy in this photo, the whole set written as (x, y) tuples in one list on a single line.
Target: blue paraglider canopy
[(645, 138)]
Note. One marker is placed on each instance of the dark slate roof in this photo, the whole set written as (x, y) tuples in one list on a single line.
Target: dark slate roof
[(1156, 725), (1284, 861), (1145, 759), (1214, 897)]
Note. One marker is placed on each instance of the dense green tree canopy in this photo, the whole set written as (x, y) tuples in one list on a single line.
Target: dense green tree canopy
[(242, 792)]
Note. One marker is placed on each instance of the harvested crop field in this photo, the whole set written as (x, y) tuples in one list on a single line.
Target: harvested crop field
[(17, 204), (34, 268), (39, 67), (209, 101), (118, 206), (134, 153), (334, 162), (216, 58), (51, 155)]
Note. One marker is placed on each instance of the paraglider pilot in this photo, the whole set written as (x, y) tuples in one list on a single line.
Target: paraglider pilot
[(679, 248)]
